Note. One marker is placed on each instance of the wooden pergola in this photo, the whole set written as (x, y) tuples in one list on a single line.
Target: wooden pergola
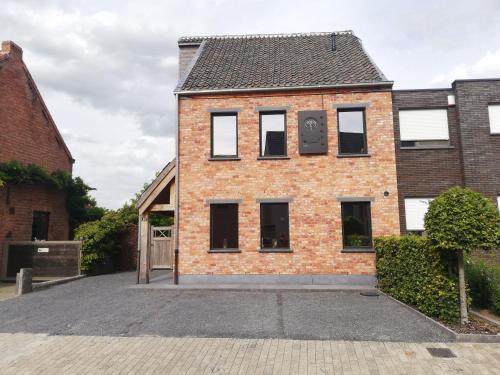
[(158, 198)]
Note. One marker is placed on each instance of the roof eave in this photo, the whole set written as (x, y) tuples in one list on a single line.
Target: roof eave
[(285, 88)]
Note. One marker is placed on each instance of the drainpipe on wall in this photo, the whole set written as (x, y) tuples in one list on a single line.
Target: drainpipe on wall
[(177, 184)]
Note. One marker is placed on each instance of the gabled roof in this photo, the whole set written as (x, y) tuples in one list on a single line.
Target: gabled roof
[(160, 179), (309, 60)]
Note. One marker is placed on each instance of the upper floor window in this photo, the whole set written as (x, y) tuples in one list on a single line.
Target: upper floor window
[(494, 114), (272, 133), (224, 135), (352, 131), (427, 125), (415, 210)]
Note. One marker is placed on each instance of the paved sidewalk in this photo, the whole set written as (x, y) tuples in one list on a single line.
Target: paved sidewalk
[(42, 354)]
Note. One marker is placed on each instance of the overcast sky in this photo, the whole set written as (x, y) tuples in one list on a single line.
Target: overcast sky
[(107, 69)]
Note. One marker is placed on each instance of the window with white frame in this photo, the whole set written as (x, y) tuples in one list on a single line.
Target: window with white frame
[(498, 202), (427, 125), (494, 115), (415, 210)]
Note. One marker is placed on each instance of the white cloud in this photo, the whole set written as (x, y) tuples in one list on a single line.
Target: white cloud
[(487, 66), (107, 68)]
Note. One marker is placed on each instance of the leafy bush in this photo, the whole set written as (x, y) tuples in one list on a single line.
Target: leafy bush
[(102, 239), (412, 271), (462, 220), (484, 283)]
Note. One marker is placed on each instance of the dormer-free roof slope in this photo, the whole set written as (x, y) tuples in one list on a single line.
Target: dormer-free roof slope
[(225, 63)]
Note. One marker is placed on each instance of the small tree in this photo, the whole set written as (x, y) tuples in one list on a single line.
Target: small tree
[(461, 220)]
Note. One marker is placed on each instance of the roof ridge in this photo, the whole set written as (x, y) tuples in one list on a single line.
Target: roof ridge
[(191, 39)]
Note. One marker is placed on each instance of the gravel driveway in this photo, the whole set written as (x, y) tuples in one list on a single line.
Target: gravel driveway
[(106, 306)]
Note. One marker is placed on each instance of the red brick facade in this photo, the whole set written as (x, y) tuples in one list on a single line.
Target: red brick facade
[(28, 135), (314, 182)]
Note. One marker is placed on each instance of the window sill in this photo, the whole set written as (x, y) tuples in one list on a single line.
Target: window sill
[(358, 250), (273, 158), (353, 155), (223, 251), (224, 159), (428, 148), (276, 250), (497, 134)]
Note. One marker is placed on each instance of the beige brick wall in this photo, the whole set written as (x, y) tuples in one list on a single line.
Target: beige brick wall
[(314, 182)]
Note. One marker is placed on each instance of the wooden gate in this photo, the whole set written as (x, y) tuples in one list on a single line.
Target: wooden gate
[(162, 248)]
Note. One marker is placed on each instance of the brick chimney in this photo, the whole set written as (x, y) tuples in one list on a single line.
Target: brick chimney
[(12, 49), (187, 50)]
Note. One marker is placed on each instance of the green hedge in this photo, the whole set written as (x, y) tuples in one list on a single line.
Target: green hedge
[(484, 283), (413, 272)]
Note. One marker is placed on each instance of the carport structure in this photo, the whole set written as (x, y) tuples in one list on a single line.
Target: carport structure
[(156, 244)]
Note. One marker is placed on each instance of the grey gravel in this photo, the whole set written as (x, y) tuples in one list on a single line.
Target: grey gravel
[(106, 305)]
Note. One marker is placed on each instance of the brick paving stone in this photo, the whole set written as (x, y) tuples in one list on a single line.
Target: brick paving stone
[(24, 353)]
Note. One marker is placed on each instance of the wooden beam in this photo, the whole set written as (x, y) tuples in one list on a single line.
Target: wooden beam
[(145, 247), (162, 185), (162, 207)]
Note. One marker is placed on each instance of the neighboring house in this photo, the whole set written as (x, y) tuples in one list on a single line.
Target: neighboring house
[(445, 138), (29, 135), (286, 164)]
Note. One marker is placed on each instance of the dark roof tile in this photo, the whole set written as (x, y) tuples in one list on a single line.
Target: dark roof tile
[(275, 61)]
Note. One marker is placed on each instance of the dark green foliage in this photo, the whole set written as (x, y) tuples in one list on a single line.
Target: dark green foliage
[(412, 271), (161, 221), (484, 283), (80, 205), (102, 237), (461, 219)]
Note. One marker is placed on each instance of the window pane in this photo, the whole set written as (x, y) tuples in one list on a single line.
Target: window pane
[(40, 226), (356, 224), (224, 135), (494, 116), (352, 132), (272, 135), (423, 125), (274, 229), (415, 210), (224, 226)]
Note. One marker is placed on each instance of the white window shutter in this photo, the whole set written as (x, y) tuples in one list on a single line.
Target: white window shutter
[(415, 210), (423, 125), (494, 114)]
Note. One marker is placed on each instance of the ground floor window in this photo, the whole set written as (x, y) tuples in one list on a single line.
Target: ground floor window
[(356, 225), (415, 210), (274, 226), (223, 226), (40, 225)]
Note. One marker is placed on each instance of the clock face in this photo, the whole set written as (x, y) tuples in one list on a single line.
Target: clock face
[(310, 124)]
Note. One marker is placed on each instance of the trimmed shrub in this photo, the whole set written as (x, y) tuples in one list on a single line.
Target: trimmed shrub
[(484, 283), (412, 271)]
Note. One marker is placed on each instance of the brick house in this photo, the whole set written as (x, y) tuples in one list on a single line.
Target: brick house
[(29, 135), (444, 138), (286, 165)]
